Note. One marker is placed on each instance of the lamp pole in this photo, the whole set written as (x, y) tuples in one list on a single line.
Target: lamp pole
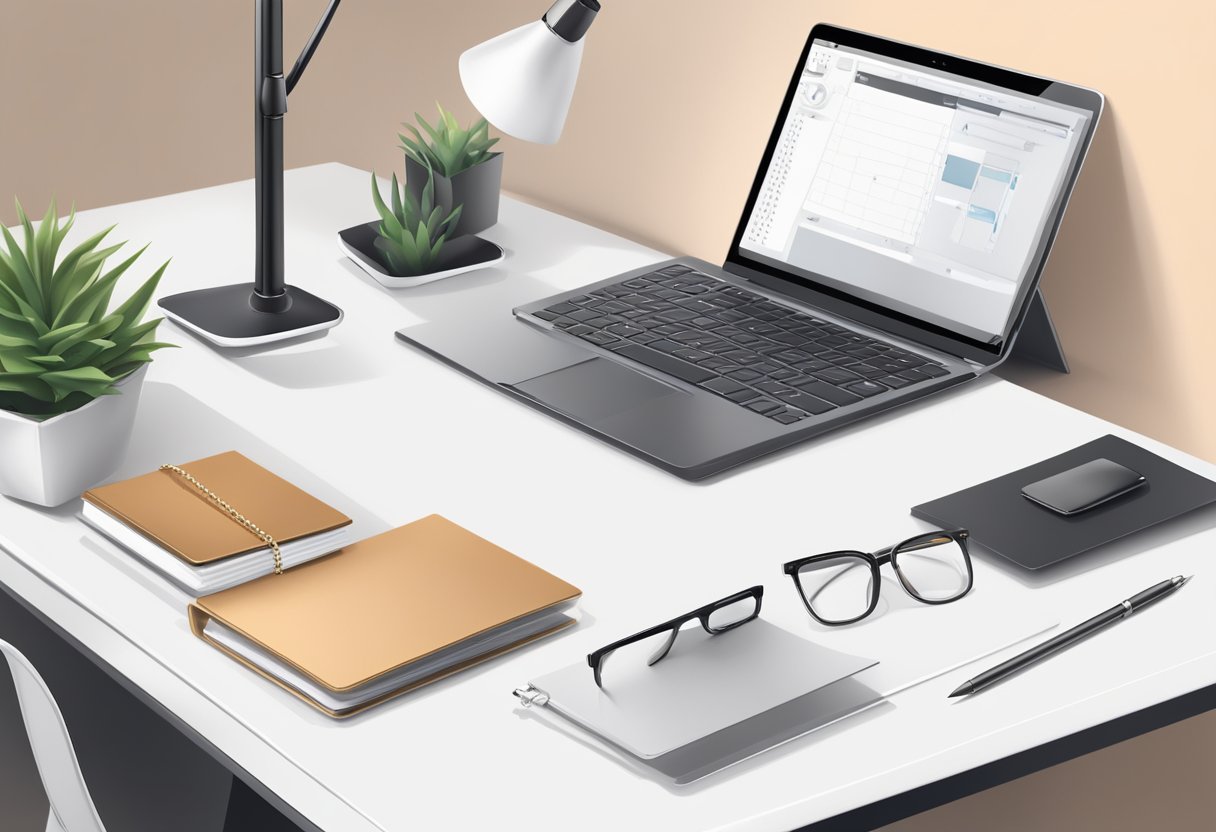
[(269, 310), (271, 89), (269, 108)]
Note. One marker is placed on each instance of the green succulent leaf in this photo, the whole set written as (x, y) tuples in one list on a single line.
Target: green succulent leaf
[(437, 246), (78, 375), (417, 148), (449, 120), (31, 245), (18, 362), (12, 323), (62, 332), (61, 344), (389, 223), (134, 307), (8, 277), (26, 313), (422, 238), (77, 378), (121, 341), (427, 203), (436, 217), (77, 297), (437, 136), (25, 385), (138, 354), (87, 333), (453, 217), (28, 286), (73, 259), (446, 147), (398, 207), (411, 232)]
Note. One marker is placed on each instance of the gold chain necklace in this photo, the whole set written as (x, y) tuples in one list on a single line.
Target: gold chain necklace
[(233, 513)]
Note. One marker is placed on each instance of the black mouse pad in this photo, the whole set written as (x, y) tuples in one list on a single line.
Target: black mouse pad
[(1032, 536)]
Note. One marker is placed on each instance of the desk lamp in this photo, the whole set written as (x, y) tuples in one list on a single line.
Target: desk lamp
[(522, 81)]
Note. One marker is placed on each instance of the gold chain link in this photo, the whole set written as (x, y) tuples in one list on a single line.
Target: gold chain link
[(233, 513)]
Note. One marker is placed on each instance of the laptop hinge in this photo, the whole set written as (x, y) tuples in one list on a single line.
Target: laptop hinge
[(976, 366), (749, 276)]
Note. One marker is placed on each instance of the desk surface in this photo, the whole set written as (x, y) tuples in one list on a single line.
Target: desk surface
[(388, 435)]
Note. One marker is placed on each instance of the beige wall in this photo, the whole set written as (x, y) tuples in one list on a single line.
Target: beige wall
[(107, 102)]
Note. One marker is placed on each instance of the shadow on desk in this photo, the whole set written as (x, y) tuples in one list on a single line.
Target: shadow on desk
[(325, 359)]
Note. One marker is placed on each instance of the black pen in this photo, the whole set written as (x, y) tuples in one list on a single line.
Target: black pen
[(1071, 637)]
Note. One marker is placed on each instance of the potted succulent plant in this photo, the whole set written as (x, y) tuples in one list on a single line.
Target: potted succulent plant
[(71, 367), (412, 232), (412, 243), (460, 163)]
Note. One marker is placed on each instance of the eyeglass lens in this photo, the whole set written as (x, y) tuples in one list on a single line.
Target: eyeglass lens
[(732, 614), (933, 569), (837, 589)]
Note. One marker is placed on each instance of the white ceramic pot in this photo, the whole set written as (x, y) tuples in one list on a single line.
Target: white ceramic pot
[(55, 460)]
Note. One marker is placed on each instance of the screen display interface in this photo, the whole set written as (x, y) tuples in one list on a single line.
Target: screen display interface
[(920, 191)]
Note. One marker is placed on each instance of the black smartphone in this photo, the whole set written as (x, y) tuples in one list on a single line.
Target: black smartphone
[(1084, 487)]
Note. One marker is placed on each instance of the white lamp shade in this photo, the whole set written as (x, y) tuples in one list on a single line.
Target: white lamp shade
[(522, 81)]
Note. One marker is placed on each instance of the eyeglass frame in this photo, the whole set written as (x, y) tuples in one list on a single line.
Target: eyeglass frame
[(596, 658), (875, 560)]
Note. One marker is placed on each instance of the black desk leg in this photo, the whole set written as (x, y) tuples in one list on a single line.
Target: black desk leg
[(248, 812)]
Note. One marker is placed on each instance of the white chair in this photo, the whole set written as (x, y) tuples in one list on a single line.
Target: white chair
[(71, 806)]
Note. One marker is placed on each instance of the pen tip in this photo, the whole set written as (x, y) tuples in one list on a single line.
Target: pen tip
[(962, 690)]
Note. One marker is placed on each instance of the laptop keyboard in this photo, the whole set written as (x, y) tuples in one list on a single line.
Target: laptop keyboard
[(763, 356)]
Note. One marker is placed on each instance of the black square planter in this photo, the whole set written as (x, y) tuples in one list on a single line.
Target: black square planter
[(476, 188), (459, 255)]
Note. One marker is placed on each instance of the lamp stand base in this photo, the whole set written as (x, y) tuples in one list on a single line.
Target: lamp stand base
[(223, 315)]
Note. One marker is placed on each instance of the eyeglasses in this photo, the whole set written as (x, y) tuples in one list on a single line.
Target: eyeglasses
[(842, 587), (647, 648)]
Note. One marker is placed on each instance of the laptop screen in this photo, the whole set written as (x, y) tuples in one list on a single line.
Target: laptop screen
[(915, 190)]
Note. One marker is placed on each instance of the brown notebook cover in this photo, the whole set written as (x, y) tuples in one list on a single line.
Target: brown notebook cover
[(380, 604), (167, 509)]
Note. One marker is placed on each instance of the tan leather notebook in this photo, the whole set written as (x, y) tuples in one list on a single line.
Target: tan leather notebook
[(347, 622), (165, 508)]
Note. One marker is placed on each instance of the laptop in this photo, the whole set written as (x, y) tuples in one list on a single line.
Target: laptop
[(890, 249)]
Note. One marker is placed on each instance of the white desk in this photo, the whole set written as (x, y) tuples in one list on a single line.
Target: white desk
[(387, 435)]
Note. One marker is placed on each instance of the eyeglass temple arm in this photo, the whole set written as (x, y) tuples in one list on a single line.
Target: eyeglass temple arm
[(924, 544)]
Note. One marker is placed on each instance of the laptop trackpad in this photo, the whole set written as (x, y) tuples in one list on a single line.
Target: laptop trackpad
[(595, 389)]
